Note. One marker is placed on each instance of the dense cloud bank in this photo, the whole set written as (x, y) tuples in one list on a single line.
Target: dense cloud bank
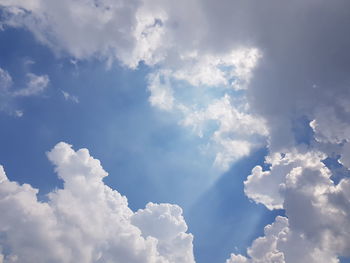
[(282, 69), (86, 221), (317, 210)]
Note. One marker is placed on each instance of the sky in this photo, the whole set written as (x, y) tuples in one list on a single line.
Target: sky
[(174, 132)]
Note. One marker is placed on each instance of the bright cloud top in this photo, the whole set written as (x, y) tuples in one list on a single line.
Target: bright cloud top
[(86, 221)]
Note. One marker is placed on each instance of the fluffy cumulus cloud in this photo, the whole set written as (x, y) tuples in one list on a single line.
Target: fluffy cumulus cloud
[(86, 221), (267, 187), (316, 207), (239, 74)]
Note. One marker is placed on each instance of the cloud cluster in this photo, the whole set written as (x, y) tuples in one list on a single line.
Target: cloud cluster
[(256, 69), (268, 187), (302, 76), (162, 33), (204, 89), (86, 221), (112, 29), (317, 209)]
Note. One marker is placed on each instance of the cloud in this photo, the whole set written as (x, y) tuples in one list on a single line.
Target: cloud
[(232, 69), (156, 34), (89, 28), (165, 222), (236, 134), (6, 84), (267, 187), (234, 44), (264, 249), (199, 99), (200, 89), (161, 92), (289, 59), (36, 84), (86, 221), (5, 81), (316, 207), (69, 97)]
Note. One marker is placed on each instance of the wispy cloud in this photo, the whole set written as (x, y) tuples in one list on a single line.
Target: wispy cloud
[(69, 97), (36, 84), (5, 81)]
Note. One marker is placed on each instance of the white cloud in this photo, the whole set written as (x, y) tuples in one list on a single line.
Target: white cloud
[(2, 174), (236, 133), (267, 187), (36, 84), (5, 81), (233, 69), (264, 249), (166, 223), (316, 207), (156, 33), (69, 97), (6, 85), (299, 69), (237, 130), (88, 29), (237, 259), (18, 113), (161, 92), (86, 221), (230, 151), (281, 244), (148, 34)]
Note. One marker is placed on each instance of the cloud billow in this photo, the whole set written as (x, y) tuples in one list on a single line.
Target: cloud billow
[(289, 60), (86, 221)]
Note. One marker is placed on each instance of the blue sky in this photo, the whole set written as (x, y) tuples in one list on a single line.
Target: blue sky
[(229, 138)]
